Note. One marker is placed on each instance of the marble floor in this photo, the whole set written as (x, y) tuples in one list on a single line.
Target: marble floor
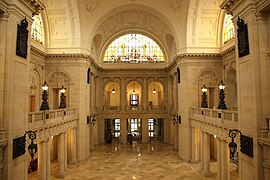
[(128, 162)]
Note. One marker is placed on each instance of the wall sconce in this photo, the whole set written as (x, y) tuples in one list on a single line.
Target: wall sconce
[(32, 148), (44, 105), (62, 98), (246, 144), (221, 104), (204, 97), (91, 119), (176, 118)]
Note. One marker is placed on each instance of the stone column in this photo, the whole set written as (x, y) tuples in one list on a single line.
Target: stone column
[(175, 138), (145, 135), (123, 130), (202, 153), (93, 96), (145, 94), (61, 156), (65, 149), (48, 159), (195, 149), (219, 153), (123, 94), (92, 137), (206, 154), (73, 148), (3, 44), (42, 160), (225, 161)]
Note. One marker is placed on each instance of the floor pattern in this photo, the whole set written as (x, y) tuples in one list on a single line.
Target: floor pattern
[(129, 162)]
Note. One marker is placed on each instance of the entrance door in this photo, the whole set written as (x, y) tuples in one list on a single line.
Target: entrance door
[(156, 129), (108, 130), (134, 128)]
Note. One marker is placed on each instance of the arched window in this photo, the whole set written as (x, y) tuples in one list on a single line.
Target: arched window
[(133, 48), (228, 29), (37, 32), (88, 75), (178, 75)]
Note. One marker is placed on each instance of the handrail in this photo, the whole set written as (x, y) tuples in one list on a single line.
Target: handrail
[(224, 115), (41, 118)]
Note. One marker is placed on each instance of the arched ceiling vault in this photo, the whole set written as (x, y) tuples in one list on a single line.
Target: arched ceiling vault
[(176, 25)]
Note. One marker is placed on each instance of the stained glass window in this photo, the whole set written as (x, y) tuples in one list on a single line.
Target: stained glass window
[(133, 48), (228, 29), (37, 33)]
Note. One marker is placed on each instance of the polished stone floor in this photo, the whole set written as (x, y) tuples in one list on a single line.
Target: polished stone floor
[(127, 162)]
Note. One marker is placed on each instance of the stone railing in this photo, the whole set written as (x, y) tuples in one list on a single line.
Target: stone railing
[(53, 121), (214, 121), (216, 115)]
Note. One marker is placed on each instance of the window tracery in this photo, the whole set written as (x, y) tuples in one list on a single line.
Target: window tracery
[(37, 33), (133, 48), (228, 29)]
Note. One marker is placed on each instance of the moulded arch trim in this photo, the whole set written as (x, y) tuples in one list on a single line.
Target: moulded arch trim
[(101, 16), (63, 74), (156, 81), (202, 72), (134, 31)]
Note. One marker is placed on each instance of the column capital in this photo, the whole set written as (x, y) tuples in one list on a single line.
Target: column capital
[(4, 16), (260, 16)]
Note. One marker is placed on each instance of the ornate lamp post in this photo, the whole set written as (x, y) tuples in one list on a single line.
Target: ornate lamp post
[(44, 105), (221, 104), (204, 98), (32, 148), (62, 98)]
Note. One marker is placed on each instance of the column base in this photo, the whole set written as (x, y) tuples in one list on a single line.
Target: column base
[(193, 161), (207, 174), (61, 174), (73, 162)]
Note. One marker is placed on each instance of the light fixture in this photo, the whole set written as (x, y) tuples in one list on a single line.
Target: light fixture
[(221, 104), (204, 97), (176, 118), (44, 105), (246, 144), (113, 90), (133, 92), (91, 119), (62, 98), (32, 148), (154, 90)]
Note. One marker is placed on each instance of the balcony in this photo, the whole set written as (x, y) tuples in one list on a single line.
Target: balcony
[(44, 119), (214, 121)]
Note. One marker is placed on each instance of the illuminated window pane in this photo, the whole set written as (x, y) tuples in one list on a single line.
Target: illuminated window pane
[(37, 33), (134, 100), (116, 127), (228, 29), (133, 48), (151, 127)]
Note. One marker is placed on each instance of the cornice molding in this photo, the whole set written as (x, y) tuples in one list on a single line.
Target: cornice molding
[(37, 52), (135, 70), (36, 5), (200, 55), (227, 5), (228, 51)]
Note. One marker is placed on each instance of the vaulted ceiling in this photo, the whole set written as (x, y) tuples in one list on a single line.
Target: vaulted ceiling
[(88, 26)]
